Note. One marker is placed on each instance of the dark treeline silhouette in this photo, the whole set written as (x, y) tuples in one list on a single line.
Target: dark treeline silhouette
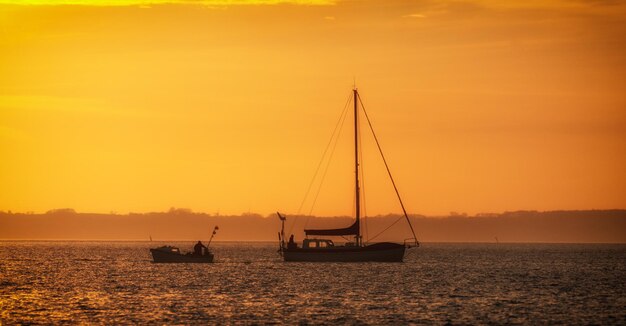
[(588, 226)]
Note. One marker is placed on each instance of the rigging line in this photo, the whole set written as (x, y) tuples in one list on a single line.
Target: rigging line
[(341, 117), (362, 170), (388, 171), (353, 202), (327, 166), (306, 195), (387, 228)]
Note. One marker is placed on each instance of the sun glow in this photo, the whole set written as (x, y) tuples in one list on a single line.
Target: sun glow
[(480, 106)]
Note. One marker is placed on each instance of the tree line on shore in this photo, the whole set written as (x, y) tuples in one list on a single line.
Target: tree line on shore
[(586, 226)]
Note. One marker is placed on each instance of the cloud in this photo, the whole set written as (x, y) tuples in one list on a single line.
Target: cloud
[(414, 16), (69, 105), (148, 3)]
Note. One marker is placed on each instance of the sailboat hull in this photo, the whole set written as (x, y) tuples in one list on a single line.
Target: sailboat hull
[(379, 252)]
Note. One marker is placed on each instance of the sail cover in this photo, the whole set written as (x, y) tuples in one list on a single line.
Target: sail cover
[(351, 230)]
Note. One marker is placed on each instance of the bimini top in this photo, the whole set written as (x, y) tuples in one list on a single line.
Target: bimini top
[(351, 230)]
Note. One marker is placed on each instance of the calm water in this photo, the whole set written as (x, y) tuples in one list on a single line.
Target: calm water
[(115, 282)]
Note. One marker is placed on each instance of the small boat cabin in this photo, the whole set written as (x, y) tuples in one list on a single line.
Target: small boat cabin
[(169, 249)]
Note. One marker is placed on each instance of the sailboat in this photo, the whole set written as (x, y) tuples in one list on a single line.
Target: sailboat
[(316, 249)]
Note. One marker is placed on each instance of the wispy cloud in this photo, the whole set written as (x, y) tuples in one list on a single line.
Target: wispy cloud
[(68, 105), (414, 16), (147, 3)]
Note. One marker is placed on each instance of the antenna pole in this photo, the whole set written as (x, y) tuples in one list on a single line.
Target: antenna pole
[(356, 167), (212, 235)]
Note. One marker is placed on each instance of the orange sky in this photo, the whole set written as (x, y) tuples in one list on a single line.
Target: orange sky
[(481, 106)]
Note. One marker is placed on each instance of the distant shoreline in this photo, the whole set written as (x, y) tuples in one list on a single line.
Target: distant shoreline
[(588, 226), (422, 243)]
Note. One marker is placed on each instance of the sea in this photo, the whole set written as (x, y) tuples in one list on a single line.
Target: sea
[(438, 283)]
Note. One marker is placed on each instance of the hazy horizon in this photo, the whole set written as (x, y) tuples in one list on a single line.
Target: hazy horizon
[(451, 213), (585, 226)]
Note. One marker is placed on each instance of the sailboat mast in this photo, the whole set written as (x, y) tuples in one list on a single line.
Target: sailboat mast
[(356, 168)]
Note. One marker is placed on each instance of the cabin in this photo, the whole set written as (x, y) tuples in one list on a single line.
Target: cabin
[(317, 243), (169, 249)]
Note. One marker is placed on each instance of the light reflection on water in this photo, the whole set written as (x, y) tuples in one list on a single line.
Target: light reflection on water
[(112, 282)]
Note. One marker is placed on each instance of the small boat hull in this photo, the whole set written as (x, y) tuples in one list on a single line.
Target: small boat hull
[(162, 256), (379, 252)]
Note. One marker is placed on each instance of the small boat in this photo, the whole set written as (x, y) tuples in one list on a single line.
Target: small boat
[(170, 254), (324, 250)]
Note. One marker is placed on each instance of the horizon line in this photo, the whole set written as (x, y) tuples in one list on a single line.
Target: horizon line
[(174, 210), (274, 241)]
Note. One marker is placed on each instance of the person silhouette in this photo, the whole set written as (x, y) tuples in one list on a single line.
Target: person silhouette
[(197, 249), (291, 244)]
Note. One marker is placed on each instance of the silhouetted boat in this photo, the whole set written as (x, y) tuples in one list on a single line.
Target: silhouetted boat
[(170, 254), (324, 250)]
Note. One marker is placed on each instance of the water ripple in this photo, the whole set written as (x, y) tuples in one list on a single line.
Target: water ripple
[(116, 282)]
